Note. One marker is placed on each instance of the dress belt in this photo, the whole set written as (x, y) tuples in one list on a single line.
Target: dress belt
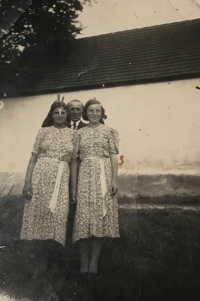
[(103, 180), (54, 198)]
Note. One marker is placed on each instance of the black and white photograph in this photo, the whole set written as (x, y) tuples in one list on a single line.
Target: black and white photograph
[(99, 150)]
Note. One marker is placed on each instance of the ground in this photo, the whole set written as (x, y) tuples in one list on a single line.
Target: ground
[(156, 258)]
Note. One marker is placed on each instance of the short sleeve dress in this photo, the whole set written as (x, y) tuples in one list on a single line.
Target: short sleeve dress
[(96, 212), (52, 146)]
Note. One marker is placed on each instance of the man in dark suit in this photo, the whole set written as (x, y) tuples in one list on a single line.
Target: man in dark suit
[(75, 112), (74, 121)]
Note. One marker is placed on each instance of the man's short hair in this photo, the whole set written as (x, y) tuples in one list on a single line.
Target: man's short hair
[(75, 100)]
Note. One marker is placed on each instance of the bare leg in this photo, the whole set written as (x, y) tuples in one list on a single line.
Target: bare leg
[(96, 249), (84, 250)]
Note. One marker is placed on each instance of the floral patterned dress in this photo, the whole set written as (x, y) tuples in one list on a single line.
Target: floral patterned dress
[(96, 213), (52, 146)]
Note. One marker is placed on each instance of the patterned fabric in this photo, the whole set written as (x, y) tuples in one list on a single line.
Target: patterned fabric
[(89, 221), (38, 221)]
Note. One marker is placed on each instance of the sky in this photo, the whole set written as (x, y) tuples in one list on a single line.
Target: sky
[(106, 16)]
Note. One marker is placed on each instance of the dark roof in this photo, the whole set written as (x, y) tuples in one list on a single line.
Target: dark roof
[(151, 54)]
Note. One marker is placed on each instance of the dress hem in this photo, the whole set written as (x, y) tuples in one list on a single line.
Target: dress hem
[(99, 236), (42, 239)]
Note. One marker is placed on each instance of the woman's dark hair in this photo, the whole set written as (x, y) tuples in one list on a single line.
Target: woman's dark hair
[(49, 120), (93, 102)]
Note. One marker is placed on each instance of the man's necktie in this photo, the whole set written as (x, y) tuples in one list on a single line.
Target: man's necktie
[(74, 125)]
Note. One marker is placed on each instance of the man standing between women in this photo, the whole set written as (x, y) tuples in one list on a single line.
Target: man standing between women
[(74, 121), (89, 155)]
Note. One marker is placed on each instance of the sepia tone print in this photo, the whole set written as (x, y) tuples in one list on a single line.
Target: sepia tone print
[(104, 203)]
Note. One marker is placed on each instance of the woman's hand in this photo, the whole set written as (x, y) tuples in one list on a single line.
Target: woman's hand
[(73, 197), (27, 191), (114, 188)]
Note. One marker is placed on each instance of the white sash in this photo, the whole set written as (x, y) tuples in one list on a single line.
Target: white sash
[(54, 198), (103, 181), (52, 204)]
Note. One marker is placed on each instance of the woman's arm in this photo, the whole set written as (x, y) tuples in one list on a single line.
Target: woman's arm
[(74, 166), (27, 190), (114, 166)]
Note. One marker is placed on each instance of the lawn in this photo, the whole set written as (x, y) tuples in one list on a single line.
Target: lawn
[(156, 258)]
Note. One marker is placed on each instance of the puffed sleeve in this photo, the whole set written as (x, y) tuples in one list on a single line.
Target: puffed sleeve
[(113, 141), (76, 143), (38, 141)]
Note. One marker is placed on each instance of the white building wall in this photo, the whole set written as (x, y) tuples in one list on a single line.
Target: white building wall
[(158, 124)]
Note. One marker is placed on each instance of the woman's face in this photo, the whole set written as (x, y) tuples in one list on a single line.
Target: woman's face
[(59, 116), (94, 113)]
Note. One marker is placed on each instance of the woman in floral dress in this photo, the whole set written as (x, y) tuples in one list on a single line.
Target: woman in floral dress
[(97, 209), (46, 186)]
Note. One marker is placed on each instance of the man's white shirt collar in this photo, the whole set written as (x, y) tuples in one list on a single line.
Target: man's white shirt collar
[(77, 123)]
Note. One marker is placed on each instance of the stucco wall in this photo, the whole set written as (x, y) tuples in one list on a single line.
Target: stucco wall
[(158, 124)]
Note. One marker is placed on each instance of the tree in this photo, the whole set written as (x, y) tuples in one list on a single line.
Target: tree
[(39, 23)]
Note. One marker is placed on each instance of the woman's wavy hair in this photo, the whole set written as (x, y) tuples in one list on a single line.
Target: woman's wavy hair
[(49, 120), (94, 102)]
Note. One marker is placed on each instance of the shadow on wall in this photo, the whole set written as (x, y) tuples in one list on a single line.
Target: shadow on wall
[(161, 189), (159, 185), (11, 183), (133, 189)]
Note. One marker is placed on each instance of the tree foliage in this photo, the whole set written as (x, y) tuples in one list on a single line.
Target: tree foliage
[(39, 22)]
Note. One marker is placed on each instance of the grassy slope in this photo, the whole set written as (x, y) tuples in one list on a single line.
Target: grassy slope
[(156, 258)]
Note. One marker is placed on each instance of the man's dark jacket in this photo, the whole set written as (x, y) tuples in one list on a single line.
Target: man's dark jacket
[(72, 207)]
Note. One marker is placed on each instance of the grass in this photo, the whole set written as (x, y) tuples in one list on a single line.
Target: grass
[(156, 258)]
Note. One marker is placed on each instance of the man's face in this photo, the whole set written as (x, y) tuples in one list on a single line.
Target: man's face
[(75, 110)]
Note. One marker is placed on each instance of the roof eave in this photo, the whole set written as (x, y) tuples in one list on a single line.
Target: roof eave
[(139, 81)]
